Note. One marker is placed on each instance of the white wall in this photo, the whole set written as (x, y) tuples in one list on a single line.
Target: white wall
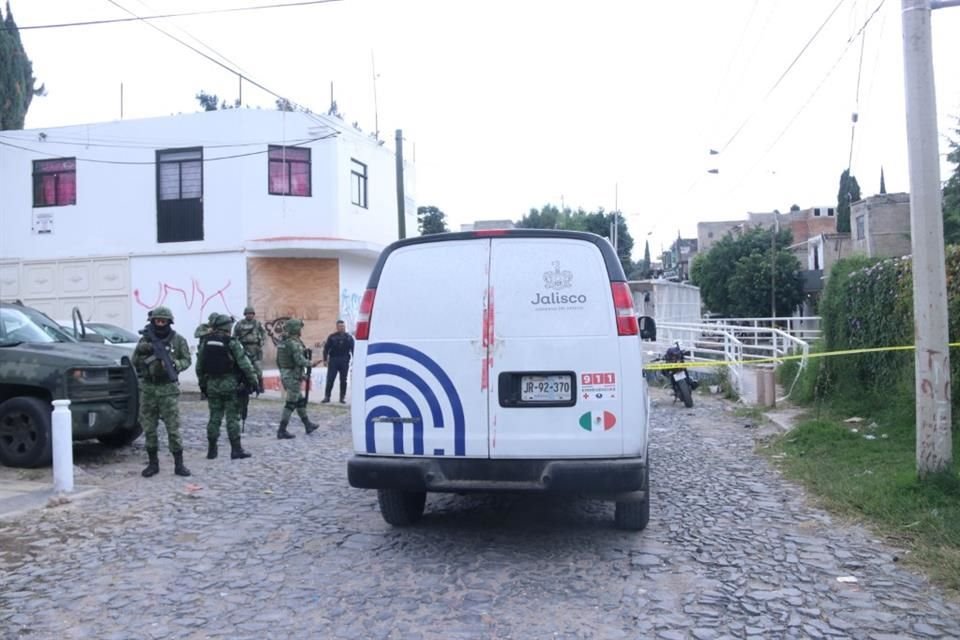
[(116, 207), (192, 285), (354, 274)]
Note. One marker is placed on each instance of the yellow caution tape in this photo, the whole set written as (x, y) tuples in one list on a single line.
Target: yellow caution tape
[(659, 366)]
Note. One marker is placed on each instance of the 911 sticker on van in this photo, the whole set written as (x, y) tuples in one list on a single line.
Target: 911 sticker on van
[(406, 389), (598, 386)]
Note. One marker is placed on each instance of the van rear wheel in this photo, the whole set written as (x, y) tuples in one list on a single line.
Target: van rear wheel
[(634, 515), (401, 508)]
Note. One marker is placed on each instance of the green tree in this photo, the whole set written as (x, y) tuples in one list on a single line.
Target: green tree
[(17, 84), (208, 101), (734, 275), (951, 193), (431, 220), (598, 222), (848, 193)]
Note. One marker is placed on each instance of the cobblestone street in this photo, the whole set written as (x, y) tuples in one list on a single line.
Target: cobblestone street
[(279, 546)]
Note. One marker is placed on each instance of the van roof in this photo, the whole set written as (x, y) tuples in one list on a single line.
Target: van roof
[(614, 268)]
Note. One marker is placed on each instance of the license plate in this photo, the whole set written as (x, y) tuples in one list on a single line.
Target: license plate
[(677, 377), (545, 388)]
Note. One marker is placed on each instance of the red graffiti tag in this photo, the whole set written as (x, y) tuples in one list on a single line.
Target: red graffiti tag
[(164, 289)]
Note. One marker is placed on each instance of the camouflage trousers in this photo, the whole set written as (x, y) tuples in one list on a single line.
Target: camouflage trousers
[(223, 400), (160, 402), (292, 396), (255, 353)]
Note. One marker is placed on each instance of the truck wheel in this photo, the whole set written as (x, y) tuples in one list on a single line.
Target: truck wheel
[(634, 516), (683, 388), (25, 432), (121, 437), (401, 508)]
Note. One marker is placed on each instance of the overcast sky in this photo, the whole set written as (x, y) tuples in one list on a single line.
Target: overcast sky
[(513, 104)]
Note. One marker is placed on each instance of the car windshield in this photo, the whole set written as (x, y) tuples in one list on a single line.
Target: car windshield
[(17, 326), (113, 333)]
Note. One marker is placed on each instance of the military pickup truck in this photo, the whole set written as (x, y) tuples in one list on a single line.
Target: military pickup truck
[(39, 363)]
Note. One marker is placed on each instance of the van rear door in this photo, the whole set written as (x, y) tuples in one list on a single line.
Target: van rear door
[(555, 383), (426, 354)]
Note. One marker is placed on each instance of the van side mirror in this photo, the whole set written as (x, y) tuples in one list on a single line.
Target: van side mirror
[(648, 328)]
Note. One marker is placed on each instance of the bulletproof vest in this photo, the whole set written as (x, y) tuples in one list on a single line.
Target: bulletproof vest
[(285, 354), (217, 359), (247, 332)]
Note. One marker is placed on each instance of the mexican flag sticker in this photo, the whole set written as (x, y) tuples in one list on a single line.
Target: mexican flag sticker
[(594, 419)]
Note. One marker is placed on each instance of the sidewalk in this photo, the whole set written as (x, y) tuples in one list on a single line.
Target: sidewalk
[(18, 496)]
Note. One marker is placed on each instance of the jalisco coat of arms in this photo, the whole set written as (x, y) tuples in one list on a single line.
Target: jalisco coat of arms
[(557, 279)]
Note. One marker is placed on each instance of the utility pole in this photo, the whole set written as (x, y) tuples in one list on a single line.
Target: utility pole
[(774, 230), (932, 357), (401, 202)]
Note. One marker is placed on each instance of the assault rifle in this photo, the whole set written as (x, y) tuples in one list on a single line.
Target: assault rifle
[(308, 354), (159, 353)]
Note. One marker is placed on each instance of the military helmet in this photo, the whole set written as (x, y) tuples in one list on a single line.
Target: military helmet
[(221, 321), (249, 310), (293, 326), (212, 318), (160, 312)]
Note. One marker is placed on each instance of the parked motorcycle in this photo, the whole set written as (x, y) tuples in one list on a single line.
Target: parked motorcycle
[(680, 380)]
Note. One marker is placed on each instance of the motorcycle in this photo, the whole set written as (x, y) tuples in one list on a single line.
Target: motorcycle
[(680, 380)]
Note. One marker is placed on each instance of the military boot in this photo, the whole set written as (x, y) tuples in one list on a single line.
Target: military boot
[(178, 467), (283, 434), (309, 426), (236, 451), (211, 448), (153, 466)]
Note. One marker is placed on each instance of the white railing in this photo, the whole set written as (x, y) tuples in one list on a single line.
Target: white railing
[(732, 344), (806, 328)]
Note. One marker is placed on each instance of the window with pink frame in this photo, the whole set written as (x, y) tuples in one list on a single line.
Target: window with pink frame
[(289, 171)]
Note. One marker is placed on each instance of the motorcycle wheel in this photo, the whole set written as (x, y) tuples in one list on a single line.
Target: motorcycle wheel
[(683, 388)]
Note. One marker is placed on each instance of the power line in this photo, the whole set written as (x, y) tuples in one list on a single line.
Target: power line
[(215, 61), (803, 107), (87, 23), (153, 162), (782, 76), (94, 142)]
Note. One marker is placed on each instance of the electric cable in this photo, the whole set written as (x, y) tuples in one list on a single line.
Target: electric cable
[(154, 162), (782, 76), (87, 23)]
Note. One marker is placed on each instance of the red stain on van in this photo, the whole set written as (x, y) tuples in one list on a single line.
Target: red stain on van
[(487, 340)]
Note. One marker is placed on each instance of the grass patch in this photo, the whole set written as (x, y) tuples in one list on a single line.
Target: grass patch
[(870, 475)]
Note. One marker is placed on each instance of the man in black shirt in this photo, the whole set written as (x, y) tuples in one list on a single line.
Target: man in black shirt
[(337, 351)]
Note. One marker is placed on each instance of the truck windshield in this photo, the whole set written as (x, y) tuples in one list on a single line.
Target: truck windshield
[(17, 327)]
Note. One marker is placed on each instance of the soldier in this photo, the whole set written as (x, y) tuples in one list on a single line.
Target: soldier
[(204, 328), (336, 355), (224, 371), (252, 335), (160, 355), (293, 363)]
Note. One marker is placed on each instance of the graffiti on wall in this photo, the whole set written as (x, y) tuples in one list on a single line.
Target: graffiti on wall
[(274, 329), (349, 309), (196, 299)]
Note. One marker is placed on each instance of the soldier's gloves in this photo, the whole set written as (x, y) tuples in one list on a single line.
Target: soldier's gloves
[(144, 347)]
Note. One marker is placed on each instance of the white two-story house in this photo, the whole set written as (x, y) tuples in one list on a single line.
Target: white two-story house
[(200, 212)]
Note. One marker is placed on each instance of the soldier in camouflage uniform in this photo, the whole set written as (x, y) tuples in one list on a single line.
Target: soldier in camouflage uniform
[(160, 355), (204, 328), (252, 335), (224, 371), (293, 362)]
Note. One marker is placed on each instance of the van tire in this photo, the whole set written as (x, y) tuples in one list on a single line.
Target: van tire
[(401, 508), (634, 515), (683, 388), (25, 432)]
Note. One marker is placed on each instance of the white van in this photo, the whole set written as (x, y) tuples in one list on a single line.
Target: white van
[(502, 360)]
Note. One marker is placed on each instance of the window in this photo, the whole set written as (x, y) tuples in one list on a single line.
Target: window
[(816, 212), (54, 182), (861, 228), (829, 212), (358, 183), (289, 171), (180, 195)]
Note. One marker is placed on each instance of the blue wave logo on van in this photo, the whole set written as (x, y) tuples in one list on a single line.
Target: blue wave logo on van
[(397, 365)]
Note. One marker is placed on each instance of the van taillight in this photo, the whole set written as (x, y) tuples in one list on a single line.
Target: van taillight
[(362, 331), (627, 324)]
